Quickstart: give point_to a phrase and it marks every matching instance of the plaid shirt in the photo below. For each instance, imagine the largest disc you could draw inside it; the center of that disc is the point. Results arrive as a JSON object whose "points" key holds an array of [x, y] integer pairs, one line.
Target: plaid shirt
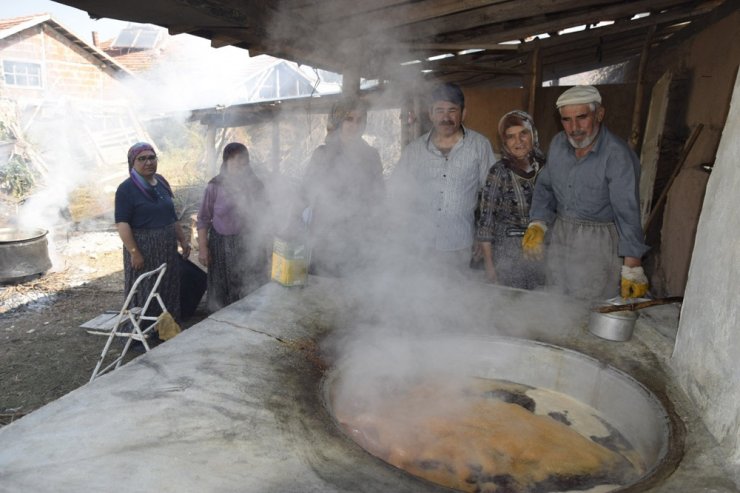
{"points": [[444, 189]]}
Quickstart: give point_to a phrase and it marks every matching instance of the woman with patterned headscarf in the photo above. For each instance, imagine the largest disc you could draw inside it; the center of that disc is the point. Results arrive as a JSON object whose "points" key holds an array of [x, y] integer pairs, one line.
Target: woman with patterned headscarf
{"points": [[343, 189], [505, 201], [148, 226]]}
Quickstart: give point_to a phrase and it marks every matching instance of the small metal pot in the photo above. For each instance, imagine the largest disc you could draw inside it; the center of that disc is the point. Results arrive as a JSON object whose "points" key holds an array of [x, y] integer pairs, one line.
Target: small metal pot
{"points": [[616, 322], [613, 326]]}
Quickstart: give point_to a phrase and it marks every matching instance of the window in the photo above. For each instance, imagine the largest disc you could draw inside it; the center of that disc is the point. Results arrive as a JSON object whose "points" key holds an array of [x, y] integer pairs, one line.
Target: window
{"points": [[284, 83], [22, 74]]}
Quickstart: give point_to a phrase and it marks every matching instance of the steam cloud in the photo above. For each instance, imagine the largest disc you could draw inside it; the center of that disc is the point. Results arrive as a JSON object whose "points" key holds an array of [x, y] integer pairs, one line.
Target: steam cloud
{"points": [[400, 291]]}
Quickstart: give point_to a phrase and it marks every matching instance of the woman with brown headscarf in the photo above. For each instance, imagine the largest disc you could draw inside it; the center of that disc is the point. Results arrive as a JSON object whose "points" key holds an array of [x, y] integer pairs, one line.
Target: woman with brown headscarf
{"points": [[149, 229], [505, 202]]}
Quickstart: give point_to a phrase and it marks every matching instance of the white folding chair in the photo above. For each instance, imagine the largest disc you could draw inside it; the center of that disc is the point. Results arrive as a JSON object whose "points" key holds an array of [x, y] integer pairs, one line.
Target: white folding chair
{"points": [[133, 316]]}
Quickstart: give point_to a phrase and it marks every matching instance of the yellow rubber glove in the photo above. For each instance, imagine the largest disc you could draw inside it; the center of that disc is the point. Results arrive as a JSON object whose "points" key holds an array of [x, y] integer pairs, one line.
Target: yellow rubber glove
{"points": [[533, 241], [634, 282]]}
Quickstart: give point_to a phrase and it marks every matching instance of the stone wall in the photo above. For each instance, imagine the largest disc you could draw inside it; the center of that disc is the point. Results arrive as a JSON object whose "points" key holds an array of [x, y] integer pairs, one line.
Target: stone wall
{"points": [[708, 345]]}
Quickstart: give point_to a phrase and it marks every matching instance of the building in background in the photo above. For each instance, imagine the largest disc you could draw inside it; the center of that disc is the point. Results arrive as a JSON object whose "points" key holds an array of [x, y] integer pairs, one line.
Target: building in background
{"points": [[65, 109]]}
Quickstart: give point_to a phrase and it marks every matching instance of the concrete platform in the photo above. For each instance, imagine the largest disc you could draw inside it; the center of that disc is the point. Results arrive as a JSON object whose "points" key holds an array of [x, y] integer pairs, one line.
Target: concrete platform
{"points": [[234, 404]]}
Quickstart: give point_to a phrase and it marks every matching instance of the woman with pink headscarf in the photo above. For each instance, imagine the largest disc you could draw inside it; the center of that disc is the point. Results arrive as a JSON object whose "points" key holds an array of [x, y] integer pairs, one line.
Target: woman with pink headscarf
{"points": [[149, 229], [505, 202]]}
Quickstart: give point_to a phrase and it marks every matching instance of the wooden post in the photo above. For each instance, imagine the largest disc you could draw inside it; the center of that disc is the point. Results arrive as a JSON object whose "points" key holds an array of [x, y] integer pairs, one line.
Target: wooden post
{"points": [[407, 112], [640, 89], [276, 144], [351, 80], [650, 151], [664, 194], [211, 149], [411, 115], [419, 111], [535, 80]]}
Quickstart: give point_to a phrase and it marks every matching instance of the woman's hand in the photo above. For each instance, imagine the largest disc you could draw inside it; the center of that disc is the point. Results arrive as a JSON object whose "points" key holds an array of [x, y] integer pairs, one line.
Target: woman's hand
{"points": [[487, 253], [203, 256], [137, 260], [490, 271], [183, 240], [129, 243], [186, 247]]}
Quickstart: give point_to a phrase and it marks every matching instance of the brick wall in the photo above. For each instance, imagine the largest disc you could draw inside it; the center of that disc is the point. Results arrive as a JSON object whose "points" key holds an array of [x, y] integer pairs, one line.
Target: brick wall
{"points": [[68, 72]]}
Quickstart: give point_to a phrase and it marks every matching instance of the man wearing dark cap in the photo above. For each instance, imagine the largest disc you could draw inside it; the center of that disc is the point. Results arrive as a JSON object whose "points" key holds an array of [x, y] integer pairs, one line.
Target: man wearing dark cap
{"points": [[440, 174], [588, 194]]}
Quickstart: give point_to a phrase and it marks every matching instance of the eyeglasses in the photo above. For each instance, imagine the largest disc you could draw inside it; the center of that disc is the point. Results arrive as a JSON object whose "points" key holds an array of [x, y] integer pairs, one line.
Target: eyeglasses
{"points": [[142, 159]]}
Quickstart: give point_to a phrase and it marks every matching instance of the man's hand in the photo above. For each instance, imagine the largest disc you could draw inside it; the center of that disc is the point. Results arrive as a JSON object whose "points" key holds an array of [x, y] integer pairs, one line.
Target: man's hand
{"points": [[533, 241], [634, 283]]}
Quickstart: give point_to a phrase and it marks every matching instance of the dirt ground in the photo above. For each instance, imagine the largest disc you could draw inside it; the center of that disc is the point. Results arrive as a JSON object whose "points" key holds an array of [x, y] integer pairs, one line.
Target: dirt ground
{"points": [[44, 353]]}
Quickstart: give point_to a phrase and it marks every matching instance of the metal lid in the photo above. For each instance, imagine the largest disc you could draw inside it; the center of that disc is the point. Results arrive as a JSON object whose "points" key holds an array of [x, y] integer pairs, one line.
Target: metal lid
{"points": [[13, 235]]}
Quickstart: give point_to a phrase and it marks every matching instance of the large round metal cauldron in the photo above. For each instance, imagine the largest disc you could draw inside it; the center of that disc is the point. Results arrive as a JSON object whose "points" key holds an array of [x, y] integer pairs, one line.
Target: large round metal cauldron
{"points": [[24, 253], [525, 375]]}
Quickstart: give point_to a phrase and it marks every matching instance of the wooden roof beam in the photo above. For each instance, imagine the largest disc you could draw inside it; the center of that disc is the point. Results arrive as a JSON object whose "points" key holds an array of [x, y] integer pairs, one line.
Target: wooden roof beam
{"points": [[403, 14], [670, 16], [533, 25], [518, 12]]}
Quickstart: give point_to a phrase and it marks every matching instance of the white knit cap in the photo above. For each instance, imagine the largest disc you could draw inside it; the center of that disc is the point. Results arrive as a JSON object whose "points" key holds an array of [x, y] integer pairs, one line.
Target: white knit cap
{"points": [[579, 95]]}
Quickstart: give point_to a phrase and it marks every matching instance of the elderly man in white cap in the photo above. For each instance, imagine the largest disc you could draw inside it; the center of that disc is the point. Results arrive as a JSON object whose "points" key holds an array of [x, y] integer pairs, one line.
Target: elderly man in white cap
{"points": [[588, 196]]}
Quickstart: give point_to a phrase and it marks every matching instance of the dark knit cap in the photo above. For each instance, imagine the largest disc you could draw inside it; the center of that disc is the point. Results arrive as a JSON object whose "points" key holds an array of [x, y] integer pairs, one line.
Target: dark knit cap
{"points": [[448, 92]]}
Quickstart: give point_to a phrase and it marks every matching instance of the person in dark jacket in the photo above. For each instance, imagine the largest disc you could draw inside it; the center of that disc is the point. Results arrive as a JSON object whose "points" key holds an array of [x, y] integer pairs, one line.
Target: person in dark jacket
{"points": [[342, 192]]}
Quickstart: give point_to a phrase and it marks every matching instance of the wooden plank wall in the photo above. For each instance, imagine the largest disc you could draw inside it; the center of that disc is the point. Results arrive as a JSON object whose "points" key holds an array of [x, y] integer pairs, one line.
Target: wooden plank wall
{"points": [[486, 105]]}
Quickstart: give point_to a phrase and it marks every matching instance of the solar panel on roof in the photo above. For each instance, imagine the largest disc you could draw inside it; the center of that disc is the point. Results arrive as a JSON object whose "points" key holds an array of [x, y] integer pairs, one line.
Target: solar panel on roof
{"points": [[124, 39], [141, 38], [146, 40]]}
